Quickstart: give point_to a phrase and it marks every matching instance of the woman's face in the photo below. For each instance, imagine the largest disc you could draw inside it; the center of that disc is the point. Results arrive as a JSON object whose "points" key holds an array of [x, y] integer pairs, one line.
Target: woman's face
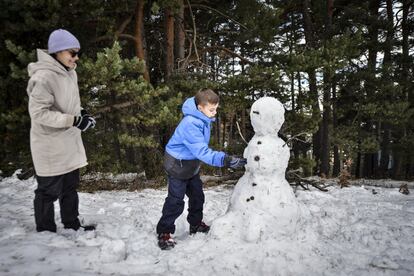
{"points": [[68, 57]]}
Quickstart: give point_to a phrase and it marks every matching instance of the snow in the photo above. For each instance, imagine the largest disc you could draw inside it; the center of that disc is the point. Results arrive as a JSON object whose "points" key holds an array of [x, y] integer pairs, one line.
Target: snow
{"points": [[267, 116], [259, 227], [348, 231]]}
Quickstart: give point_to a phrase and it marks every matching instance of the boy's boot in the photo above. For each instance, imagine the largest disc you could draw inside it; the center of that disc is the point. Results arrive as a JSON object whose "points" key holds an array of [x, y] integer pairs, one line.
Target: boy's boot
{"points": [[165, 241], [201, 227]]}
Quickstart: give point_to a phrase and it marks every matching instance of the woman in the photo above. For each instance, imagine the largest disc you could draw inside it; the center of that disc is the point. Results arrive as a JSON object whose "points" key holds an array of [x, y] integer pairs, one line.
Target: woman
{"points": [[55, 135]]}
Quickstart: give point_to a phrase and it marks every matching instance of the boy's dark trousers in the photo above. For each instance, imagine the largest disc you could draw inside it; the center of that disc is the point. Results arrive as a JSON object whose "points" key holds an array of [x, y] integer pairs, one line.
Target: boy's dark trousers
{"points": [[174, 203], [51, 188]]}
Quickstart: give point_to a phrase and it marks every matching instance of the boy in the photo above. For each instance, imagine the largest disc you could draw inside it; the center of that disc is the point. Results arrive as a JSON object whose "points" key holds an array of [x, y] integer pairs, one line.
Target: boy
{"points": [[184, 151]]}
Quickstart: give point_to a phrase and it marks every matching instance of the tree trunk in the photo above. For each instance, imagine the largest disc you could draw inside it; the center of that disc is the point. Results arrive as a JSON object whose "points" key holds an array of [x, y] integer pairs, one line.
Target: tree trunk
{"points": [[313, 90], [326, 118], [224, 132], [370, 81], [216, 129], [180, 36], [292, 91], [386, 129], [327, 79], [405, 51], [407, 83], [140, 37], [299, 99], [397, 169], [368, 164], [169, 43], [385, 151], [358, 165], [231, 129], [337, 157], [243, 122]]}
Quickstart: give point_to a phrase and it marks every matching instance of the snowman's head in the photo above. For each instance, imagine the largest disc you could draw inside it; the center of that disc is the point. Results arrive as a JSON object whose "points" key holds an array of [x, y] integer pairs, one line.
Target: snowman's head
{"points": [[267, 116]]}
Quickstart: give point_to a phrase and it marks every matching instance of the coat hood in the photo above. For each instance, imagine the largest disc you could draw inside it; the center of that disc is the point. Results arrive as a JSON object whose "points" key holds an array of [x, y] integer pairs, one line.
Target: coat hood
{"points": [[46, 62], [190, 108]]}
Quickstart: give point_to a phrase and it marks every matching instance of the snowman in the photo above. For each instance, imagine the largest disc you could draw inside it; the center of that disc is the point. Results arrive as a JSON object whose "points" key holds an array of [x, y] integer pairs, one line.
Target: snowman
{"points": [[263, 204]]}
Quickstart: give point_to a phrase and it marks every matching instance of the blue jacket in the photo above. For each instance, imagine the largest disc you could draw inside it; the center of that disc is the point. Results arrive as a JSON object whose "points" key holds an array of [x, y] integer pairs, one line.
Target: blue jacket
{"points": [[191, 137]]}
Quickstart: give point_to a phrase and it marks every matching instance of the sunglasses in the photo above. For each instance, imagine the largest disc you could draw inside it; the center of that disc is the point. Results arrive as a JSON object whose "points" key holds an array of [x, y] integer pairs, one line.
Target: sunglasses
{"points": [[74, 53]]}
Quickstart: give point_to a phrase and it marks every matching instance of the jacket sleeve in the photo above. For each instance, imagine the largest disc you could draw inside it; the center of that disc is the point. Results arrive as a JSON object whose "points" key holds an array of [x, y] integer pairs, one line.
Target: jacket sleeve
{"points": [[194, 141], [41, 101]]}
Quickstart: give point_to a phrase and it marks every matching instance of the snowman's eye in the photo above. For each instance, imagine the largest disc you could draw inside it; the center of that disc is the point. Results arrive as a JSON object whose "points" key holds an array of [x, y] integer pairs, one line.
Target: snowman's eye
{"points": [[256, 112]]}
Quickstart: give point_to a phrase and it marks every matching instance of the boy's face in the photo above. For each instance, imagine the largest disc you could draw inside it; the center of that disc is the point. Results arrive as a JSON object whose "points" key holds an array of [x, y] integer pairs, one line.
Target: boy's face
{"points": [[208, 109]]}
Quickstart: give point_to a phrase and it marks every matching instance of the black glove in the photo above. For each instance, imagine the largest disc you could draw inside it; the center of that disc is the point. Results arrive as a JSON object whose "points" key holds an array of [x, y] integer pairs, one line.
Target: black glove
{"points": [[234, 162], [84, 122], [84, 112]]}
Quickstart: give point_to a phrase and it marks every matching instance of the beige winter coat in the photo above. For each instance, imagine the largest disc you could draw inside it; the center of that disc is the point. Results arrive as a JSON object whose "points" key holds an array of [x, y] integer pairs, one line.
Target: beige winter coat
{"points": [[53, 91]]}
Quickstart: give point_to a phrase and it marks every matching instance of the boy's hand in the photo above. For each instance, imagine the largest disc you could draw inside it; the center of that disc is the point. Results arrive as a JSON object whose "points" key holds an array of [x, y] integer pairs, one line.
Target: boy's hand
{"points": [[234, 162]]}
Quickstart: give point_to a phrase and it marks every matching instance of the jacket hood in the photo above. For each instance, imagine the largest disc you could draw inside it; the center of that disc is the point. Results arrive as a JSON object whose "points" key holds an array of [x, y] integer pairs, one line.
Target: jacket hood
{"points": [[190, 108], [46, 62]]}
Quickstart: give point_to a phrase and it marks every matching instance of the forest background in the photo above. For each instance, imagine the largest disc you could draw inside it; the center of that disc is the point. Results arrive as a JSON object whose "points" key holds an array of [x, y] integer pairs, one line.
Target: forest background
{"points": [[344, 71]]}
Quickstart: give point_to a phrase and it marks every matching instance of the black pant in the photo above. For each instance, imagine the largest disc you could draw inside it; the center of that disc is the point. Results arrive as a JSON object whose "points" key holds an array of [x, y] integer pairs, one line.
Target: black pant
{"points": [[174, 203], [51, 188]]}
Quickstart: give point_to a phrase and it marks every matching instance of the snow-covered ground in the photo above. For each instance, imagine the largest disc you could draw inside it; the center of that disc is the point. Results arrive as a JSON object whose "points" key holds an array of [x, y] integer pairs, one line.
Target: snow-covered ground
{"points": [[350, 231]]}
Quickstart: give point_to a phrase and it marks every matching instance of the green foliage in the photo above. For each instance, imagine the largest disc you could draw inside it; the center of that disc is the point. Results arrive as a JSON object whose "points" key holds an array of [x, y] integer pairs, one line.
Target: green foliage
{"points": [[130, 112], [19, 71], [300, 122], [369, 144], [304, 163], [14, 119], [346, 138]]}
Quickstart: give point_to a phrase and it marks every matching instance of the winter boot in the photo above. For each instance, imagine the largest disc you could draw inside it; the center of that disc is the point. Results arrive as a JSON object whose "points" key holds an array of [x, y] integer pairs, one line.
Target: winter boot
{"points": [[84, 227], [201, 227], [165, 241], [88, 227]]}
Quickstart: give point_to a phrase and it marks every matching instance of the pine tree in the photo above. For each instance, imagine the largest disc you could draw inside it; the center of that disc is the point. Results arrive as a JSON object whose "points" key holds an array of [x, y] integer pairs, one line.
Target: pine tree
{"points": [[130, 113]]}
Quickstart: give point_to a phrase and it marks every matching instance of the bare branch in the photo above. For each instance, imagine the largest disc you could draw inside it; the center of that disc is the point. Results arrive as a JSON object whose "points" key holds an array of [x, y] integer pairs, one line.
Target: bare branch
{"points": [[222, 14], [118, 33], [241, 135], [123, 25], [195, 30], [228, 51], [127, 36], [297, 139]]}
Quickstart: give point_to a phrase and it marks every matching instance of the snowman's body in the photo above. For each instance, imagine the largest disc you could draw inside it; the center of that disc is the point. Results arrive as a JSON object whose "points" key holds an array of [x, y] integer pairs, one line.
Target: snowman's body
{"points": [[263, 204]]}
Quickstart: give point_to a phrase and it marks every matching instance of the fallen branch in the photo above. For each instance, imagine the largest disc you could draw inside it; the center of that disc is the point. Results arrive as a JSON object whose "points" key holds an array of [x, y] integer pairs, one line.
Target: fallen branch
{"points": [[219, 179], [294, 177]]}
